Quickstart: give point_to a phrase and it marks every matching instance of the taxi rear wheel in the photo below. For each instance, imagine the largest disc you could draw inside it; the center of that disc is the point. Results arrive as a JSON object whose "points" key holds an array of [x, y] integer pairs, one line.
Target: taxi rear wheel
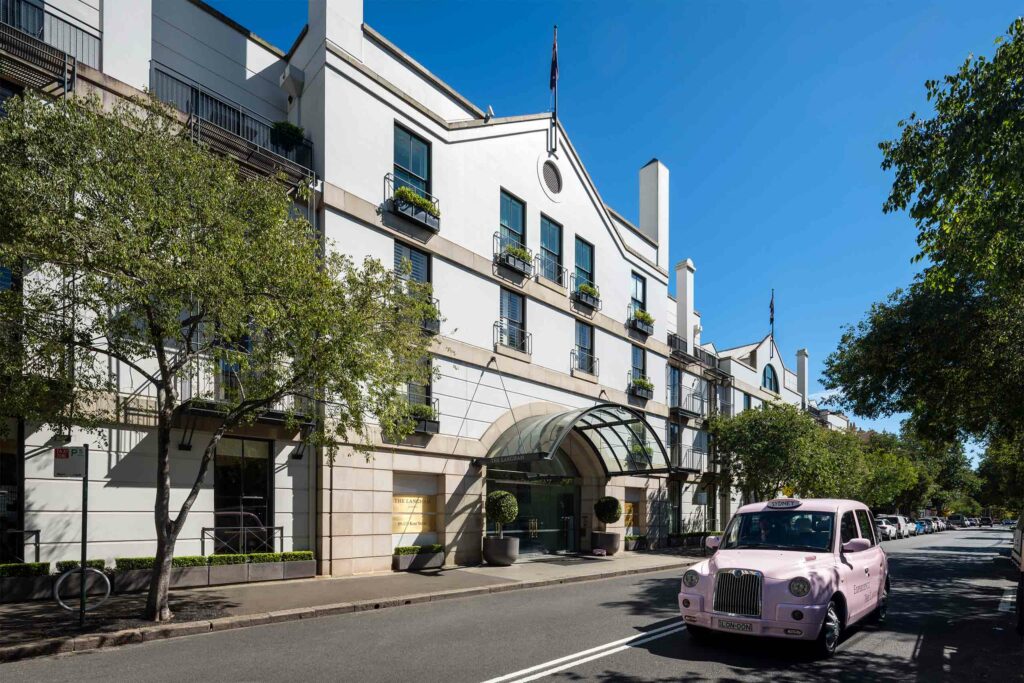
{"points": [[831, 631]]}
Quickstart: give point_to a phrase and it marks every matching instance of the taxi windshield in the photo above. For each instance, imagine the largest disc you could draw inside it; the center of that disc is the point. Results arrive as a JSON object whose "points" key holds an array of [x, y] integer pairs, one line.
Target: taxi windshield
{"points": [[780, 530]]}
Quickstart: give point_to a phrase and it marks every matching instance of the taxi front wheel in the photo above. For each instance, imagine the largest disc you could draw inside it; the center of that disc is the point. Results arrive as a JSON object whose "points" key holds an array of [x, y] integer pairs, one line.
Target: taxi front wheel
{"points": [[831, 630]]}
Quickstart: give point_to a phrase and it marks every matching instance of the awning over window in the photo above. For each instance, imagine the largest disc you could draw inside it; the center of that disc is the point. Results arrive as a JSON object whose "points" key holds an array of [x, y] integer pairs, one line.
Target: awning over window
{"points": [[622, 439]]}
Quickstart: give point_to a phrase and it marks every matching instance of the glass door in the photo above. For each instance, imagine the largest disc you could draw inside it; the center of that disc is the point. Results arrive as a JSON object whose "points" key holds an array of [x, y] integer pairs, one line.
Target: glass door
{"points": [[12, 541], [243, 496], [547, 516]]}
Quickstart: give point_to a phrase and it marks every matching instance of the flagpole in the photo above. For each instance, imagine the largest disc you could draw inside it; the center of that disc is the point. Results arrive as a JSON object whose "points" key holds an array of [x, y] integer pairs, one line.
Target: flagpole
{"points": [[554, 88], [556, 78], [771, 352]]}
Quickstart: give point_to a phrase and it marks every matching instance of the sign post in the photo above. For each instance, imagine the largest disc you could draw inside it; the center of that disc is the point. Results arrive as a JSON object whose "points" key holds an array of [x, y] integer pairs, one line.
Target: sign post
{"points": [[73, 461]]}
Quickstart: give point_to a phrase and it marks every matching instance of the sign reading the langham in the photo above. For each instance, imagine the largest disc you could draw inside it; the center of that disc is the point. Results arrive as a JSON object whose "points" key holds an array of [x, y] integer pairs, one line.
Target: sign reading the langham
{"points": [[629, 513], [412, 513]]}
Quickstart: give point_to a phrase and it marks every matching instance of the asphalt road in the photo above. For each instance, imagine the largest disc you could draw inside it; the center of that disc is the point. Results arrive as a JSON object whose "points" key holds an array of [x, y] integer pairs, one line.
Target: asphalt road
{"points": [[949, 620]]}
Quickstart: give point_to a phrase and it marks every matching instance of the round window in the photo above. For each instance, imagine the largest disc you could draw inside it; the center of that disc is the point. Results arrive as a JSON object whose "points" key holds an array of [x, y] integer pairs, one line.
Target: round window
{"points": [[552, 178]]}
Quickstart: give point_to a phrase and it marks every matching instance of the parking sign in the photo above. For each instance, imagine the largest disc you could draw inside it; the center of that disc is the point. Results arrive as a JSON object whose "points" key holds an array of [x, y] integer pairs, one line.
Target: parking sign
{"points": [[69, 461]]}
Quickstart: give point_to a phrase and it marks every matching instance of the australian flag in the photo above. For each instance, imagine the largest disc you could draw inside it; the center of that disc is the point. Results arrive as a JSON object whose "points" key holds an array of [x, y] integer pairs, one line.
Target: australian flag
{"points": [[554, 62]]}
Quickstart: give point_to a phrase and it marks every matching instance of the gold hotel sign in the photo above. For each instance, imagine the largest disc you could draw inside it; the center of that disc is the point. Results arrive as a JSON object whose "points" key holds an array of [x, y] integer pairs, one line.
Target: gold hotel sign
{"points": [[412, 513]]}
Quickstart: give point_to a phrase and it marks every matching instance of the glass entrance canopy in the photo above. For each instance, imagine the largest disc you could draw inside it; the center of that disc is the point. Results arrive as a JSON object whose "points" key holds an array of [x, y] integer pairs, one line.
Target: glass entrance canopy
{"points": [[622, 439]]}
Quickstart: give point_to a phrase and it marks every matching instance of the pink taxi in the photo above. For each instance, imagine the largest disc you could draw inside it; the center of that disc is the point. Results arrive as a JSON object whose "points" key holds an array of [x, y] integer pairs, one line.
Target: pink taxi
{"points": [[789, 568]]}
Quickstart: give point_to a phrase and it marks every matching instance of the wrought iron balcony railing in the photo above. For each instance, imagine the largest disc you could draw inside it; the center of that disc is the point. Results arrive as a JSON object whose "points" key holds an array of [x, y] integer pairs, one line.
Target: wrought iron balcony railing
{"points": [[639, 385], [686, 403], [585, 292], [425, 410], [639, 319], [689, 458], [584, 360], [409, 201], [512, 335], [551, 270], [512, 254], [31, 54]]}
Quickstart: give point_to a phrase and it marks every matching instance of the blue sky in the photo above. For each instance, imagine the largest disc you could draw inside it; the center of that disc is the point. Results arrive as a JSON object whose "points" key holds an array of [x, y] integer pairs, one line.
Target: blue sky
{"points": [[767, 114]]}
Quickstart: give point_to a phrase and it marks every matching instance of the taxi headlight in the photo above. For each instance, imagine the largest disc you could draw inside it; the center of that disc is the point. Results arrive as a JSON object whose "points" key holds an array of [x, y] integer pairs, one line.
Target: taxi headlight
{"points": [[799, 587], [690, 578]]}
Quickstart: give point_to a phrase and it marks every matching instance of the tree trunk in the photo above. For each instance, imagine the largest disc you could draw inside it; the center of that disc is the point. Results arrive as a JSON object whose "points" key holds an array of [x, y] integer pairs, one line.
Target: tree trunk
{"points": [[157, 608]]}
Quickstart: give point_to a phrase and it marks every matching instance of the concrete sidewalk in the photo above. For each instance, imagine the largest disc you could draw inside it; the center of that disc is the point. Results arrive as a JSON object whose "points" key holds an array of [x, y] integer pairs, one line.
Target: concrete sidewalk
{"points": [[39, 628]]}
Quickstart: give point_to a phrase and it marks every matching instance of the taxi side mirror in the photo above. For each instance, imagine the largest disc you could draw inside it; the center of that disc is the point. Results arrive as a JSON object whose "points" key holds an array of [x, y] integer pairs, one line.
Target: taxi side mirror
{"points": [[856, 545], [713, 542]]}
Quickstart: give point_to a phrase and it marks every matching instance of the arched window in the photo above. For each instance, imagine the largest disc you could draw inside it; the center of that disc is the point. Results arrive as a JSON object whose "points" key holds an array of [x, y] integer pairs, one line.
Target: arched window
{"points": [[769, 380]]}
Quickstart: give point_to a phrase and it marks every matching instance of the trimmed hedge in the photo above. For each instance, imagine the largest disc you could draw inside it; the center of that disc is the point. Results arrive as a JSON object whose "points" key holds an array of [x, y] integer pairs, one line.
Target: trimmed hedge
{"points": [[502, 507], [432, 548], [21, 569], [227, 558], [65, 565], [407, 550], [189, 561], [127, 564], [264, 558], [297, 556]]}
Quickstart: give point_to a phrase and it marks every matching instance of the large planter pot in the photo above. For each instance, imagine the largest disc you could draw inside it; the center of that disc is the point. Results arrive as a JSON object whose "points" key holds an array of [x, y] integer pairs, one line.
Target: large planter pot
{"points": [[94, 585], [20, 588], [266, 571], [604, 540], [300, 569], [221, 574], [190, 577], [132, 580], [500, 552], [405, 563]]}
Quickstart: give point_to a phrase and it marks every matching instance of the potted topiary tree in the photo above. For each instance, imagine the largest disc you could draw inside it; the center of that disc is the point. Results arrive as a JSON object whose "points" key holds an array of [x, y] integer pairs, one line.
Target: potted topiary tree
{"points": [[502, 508], [608, 510]]}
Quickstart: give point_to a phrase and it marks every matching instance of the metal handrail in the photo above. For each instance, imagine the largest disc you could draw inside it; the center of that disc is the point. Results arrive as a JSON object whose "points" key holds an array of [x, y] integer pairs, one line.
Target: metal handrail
{"points": [[705, 357], [392, 183], [688, 458], [551, 270], [211, 532], [578, 281], [512, 335], [27, 532], [423, 399], [685, 398], [585, 361], [38, 22], [677, 344]]}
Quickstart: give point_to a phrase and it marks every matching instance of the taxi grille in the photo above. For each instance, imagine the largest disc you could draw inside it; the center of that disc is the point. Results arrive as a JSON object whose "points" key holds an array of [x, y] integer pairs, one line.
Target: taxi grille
{"points": [[738, 591]]}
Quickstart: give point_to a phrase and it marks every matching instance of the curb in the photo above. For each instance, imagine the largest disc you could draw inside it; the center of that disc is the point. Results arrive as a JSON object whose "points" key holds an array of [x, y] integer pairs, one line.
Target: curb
{"points": [[96, 641]]}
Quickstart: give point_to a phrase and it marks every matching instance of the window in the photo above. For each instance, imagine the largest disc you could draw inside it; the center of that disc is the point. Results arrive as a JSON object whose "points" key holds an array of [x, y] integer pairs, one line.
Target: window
{"points": [[781, 530], [584, 263], [7, 91], [638, 298], [243, 504], [769, 380], [700, 441], [6, 279], [585, 347], [513, 221], [513, 320], [412, 161], [420, 393], [639, 362], [867, 529], [847, 528], [551, 250], [420, 262], [675, 386], [746, 401]]}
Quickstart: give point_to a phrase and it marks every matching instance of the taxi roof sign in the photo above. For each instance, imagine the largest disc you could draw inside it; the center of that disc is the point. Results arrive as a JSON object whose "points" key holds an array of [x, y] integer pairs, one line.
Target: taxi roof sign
{"points": [[783, 503]]}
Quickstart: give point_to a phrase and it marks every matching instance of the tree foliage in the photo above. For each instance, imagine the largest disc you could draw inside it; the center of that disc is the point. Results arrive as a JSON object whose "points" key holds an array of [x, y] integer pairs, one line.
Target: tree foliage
{"points": [[147, 264]]}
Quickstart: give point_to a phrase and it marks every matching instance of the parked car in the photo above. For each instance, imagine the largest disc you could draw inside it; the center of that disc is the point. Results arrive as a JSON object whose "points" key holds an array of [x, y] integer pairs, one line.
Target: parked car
{"points": [[797, 569], [956, 521], [920, 526], [985, 521], [1009, 522], [886, 531], [904, 529], [1017, 551], [929, 527]]}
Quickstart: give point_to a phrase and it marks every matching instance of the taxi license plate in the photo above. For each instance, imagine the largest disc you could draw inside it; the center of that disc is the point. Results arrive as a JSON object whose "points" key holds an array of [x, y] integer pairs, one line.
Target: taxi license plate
{"points": [[741, 626]]}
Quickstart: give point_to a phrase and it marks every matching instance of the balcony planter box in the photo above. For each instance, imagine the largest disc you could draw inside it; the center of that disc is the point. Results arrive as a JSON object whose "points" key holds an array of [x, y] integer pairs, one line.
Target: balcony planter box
{"points": [[431, 326], [21, 588], [406, 563], [266, 571], [641, 392], [641, 327], [300, 569], [588, 300], [221, 574], [416, 214], [190, 577], [427, 426], [604, 540], [514, 263]]}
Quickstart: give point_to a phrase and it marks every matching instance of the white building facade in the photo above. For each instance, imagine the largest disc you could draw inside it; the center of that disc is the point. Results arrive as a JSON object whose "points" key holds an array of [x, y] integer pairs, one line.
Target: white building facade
{"points": [[564, 370]]}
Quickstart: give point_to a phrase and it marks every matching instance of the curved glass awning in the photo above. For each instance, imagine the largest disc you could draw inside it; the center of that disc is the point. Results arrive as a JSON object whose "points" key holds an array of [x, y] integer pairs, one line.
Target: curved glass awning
{"points": [[622, 439]]}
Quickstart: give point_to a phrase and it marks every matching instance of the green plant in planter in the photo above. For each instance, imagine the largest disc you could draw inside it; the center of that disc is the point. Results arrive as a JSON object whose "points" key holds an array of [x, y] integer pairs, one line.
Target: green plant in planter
{"points": [[643, 383], [408, 195], [228, 558], [21, 569], [65, 565], [517, 251], [421, 411], [286, 135], [643, 316], [502, 508], [431, 549], [589, 290], [263, 558], [608, 509], [297, 555], [407, 550]]}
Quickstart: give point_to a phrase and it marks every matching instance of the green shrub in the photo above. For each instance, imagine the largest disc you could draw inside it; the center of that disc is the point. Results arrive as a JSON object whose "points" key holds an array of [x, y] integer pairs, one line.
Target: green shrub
{"points": [[65, 565], [643, 316], [589, 290], [20, 569], [263, 558], [228, 558], [297, 556], [516, 251], [189, 561], [407, 195], [608, 509], [407, 550], [643, 383], [421, 411], [502, 508], [432, 548], [286, 135], [125, 564]]}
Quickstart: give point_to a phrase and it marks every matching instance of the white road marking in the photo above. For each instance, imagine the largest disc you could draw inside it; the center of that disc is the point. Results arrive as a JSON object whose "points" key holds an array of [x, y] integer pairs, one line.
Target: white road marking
{"points": [[602, 651], [1009, 597]]}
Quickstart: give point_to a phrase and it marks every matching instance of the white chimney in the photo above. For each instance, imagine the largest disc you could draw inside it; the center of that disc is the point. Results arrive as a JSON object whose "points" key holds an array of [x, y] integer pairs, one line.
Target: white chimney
{"points": [[686, 319], [339, 21], [654, 207], [801, 376]]}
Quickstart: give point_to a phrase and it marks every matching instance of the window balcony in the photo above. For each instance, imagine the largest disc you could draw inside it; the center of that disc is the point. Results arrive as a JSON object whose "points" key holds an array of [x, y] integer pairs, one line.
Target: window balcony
{"points": [[685, 404], [412, 203], [585, 292], [548, 268], [29, 54], [689, 458], [425, 412], [512, 335], [510, 253], [639, 385], [640, 320], [582, 360]]}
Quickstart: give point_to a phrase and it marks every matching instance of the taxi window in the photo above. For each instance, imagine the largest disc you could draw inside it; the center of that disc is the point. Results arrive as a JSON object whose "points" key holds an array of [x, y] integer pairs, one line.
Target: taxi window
{"points": [[848, 528], [867, 529]]}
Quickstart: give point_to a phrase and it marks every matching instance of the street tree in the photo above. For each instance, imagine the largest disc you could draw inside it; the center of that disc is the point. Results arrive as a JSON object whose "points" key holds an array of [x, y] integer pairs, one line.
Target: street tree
{"points": [[136, 247]]}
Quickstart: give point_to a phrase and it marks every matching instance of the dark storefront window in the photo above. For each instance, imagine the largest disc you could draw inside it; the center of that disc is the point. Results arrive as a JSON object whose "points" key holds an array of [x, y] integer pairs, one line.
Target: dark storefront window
{"points": [[243, 500]]}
